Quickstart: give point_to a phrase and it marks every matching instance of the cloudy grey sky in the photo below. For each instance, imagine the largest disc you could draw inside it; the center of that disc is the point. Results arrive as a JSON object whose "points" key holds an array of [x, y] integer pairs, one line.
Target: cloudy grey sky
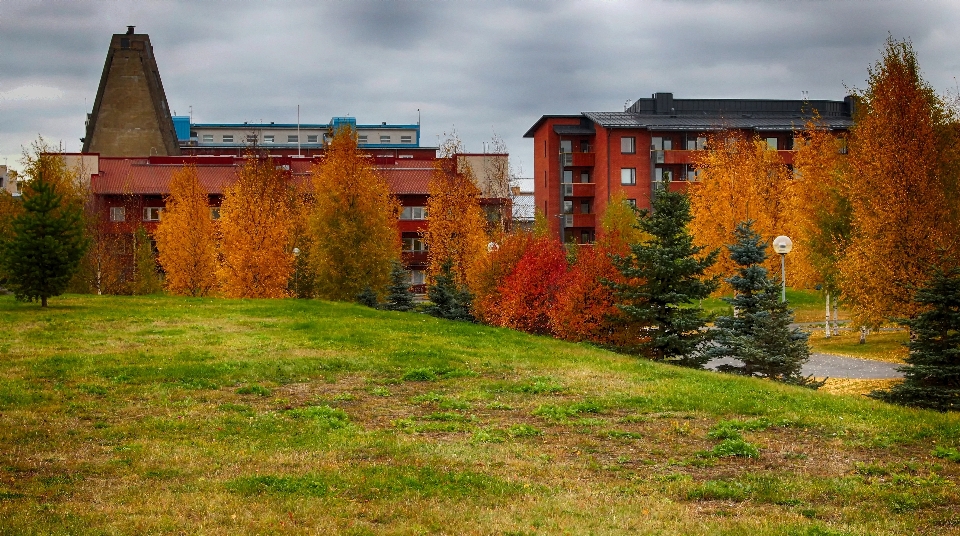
{"points": [[479, 67]]}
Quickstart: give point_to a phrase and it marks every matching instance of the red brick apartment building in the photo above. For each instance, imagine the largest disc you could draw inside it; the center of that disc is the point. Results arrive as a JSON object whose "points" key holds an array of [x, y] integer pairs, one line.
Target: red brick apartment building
{"points": [[581, 160]]}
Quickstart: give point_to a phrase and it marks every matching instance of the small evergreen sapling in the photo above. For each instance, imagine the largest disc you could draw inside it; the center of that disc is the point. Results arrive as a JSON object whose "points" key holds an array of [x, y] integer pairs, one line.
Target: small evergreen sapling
{"points": [[932, 374], [399, 297], [46, 244], [368, 297], [448, 300], [664, 276], [759, 335]]}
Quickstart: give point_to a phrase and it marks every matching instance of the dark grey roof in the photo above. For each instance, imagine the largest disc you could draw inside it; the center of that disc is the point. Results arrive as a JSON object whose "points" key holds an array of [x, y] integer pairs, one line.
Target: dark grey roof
{"points": [[709, 122]]}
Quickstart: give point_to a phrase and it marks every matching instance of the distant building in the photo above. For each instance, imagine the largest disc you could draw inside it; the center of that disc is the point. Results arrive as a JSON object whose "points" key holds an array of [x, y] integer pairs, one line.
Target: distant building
{"points": [[130, 115], [581, 160]]}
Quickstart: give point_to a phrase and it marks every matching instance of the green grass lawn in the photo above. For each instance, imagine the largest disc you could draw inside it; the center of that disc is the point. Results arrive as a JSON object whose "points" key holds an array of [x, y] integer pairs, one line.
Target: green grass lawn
{"points": [[168, 415], [807, 305]]}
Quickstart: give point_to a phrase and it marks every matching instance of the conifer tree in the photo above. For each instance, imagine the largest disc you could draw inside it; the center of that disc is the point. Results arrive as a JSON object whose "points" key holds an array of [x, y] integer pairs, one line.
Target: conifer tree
{"points": [[448, 299], [399, 297], [932, 374], [368, 297], [759, 335], [663, 276], [46, 245]]}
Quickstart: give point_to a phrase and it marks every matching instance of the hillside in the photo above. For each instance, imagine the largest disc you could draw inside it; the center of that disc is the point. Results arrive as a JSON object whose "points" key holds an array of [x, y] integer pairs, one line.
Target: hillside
{"points": [[163, 414]]}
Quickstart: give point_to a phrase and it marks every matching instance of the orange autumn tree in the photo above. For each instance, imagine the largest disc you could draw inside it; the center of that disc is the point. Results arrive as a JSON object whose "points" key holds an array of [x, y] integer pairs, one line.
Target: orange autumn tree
{"points": [[354, 223], [818, 210], [186, 237], [457, 225], [255, 223], [488, 272], [530, 290], [585, 307], [903, 187], [740, 179]]}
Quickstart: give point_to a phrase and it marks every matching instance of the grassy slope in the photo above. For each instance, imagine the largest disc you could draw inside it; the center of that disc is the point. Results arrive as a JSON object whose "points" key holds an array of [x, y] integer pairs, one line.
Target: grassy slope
{"points": [[165, 415]]}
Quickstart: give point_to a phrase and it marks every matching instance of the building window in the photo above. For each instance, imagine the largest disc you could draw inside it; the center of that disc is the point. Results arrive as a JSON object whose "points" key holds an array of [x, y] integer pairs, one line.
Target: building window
{"points": [[584, 177], [659, 143], [632, 202], [662, 175], [228, 138], [697, 144], [312, 138], [208, 138], [362, 138], [414, 213], [414, 245], [584, 207], [567, 176], [384, 138], [585, 237], [293, 139], [152, 213], [568, 207], [772, 144], [406, 139], [417, 277], [269, 138], [628, 145], [214, 213], [118, 214], [628, 176]]}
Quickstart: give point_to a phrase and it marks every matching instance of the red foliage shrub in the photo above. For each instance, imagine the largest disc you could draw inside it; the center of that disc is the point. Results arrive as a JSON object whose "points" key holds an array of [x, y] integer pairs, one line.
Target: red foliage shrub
{"points": [[529, 291]]}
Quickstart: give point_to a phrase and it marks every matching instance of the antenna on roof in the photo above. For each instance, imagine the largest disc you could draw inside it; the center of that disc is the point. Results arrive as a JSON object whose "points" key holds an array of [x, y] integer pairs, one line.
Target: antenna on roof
{"points": [[804, 95]]}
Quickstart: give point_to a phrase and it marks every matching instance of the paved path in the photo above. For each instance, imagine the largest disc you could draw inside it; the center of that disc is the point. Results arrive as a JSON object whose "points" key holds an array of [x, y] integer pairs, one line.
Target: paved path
{"points": [[835, 366]]}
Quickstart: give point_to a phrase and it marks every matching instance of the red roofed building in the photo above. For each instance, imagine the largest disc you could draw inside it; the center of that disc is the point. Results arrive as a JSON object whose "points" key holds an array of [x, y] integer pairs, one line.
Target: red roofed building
{"points": [[128, 192]]}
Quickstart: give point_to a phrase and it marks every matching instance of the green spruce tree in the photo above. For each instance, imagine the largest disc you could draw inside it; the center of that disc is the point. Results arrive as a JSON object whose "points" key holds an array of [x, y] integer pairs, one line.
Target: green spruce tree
{"points": [[448, 300], [665, 276], [46, 245], [932, 374], [368, 297], [759, 335], [399, 297]]}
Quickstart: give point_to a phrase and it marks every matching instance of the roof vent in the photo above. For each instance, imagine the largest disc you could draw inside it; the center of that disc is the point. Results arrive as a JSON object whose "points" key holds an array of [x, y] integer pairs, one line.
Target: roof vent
{"points": [[130, 30]]}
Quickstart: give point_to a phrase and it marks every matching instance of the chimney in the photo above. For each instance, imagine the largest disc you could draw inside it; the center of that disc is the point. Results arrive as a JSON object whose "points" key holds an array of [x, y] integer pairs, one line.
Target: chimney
{"points": [[130, 30]]}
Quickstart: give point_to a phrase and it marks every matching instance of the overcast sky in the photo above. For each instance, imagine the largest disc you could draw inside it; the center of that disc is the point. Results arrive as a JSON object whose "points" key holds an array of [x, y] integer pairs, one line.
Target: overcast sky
{"points": [[479, 67]]}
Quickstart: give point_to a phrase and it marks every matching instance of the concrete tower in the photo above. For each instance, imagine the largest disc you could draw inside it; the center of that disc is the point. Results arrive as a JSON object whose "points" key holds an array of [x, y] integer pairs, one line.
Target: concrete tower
{"points": [[130, 116]]}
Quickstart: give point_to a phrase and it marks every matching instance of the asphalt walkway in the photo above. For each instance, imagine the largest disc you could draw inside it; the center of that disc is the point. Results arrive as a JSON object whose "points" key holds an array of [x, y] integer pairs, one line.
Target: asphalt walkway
{"points": [[835, 366]]}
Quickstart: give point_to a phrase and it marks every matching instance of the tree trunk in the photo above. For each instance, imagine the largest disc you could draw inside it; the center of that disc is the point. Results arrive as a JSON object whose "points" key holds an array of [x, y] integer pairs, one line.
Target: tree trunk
{"points": [[43, 301], [826, 324], [863, 335]]}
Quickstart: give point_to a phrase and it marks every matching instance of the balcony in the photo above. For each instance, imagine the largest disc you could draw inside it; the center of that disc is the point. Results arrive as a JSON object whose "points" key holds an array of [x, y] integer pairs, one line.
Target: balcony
{"points": [[687, 157], [579, 189], [577, 159], [579, 220]]}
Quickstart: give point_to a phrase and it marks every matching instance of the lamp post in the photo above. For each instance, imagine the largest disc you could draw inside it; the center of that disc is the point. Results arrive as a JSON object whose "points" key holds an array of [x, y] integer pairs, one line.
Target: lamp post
{"points": [[296, 272], [783, 245]]}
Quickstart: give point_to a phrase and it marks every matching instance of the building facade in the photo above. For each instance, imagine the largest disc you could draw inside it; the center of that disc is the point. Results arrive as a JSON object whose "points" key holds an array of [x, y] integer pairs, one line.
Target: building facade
{"points": [[582, 160]]}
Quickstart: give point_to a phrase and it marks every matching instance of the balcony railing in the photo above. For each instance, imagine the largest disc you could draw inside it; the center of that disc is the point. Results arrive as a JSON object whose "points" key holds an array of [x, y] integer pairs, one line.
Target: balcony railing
{"points": [[579, 189], [579, 220], [577, 159]]}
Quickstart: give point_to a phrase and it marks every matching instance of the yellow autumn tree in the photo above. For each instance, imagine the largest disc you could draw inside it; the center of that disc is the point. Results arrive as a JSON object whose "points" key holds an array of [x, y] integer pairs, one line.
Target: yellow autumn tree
{"points": [[739, 179], [354, 223], [818, 210], [457, 226], [186, 237], [903, 186], [256, 259]]}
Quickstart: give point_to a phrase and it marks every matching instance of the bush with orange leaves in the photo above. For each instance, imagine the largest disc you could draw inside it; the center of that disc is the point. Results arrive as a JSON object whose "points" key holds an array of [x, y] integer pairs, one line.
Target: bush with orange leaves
{"points": [[530, 290], [487, 274]]}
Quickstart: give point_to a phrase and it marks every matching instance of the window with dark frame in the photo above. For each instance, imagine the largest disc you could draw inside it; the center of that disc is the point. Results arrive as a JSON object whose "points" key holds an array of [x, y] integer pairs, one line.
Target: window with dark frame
{"points": [[628, 145], [628, 176]]}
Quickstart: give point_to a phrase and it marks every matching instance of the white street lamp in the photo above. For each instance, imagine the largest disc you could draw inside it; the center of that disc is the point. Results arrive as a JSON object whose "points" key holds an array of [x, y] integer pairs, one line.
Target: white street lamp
{"points": [[783, 245]]}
